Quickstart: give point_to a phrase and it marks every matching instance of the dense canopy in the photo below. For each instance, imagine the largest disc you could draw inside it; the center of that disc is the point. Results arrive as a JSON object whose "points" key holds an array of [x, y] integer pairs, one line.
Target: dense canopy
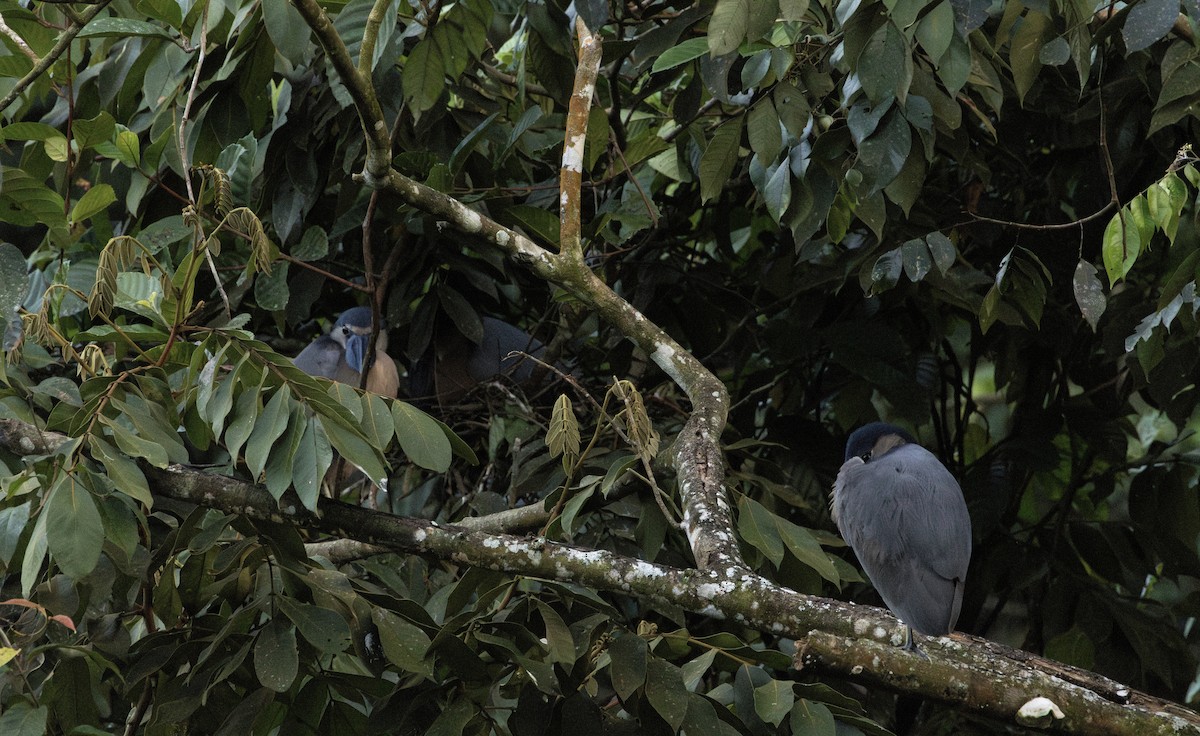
{"points": [[738, 229]]}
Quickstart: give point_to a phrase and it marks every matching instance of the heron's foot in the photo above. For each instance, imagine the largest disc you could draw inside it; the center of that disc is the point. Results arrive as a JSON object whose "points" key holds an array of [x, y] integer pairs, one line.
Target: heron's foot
{"points": [[910, 644]]}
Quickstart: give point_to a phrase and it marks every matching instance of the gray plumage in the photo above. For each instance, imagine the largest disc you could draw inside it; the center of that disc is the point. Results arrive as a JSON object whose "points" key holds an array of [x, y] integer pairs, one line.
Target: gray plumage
{"points": [[904, 516], [339, 356], [453, 366]]}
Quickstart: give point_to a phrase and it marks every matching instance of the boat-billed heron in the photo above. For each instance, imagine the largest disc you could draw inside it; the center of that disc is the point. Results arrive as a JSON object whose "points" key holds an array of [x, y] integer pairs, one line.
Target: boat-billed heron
{"points": [[340, 354], [454, 365], [904, 516]]}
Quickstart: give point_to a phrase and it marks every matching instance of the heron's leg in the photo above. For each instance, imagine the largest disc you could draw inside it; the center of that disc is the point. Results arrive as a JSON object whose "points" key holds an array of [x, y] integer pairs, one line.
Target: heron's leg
{"points": [[910, 643]]}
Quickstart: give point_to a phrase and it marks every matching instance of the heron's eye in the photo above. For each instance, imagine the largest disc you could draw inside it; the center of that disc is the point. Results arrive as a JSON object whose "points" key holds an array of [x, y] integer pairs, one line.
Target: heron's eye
{"points": [[866, 456]]}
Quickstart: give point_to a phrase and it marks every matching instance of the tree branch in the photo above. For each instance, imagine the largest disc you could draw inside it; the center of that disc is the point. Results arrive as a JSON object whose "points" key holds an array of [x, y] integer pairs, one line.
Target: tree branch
{"points": [[859, 643], [60, 48]]}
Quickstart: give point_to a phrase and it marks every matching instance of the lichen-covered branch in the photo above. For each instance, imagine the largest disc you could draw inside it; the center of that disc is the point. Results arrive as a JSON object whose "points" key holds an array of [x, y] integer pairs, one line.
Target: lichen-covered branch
{"points": [[859, 643], [571, 172]]}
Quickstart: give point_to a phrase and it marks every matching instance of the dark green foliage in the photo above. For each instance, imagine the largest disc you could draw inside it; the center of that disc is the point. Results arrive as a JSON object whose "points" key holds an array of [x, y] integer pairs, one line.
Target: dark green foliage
{"points": [[820, 200]]}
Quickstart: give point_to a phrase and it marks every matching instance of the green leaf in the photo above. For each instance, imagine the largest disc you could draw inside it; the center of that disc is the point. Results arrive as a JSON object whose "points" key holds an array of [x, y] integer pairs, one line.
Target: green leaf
{"points": [[89, 133], [124, 473], [1148, 21], [773, 701], [777, 194], [562, 438], [281, 465], [128, 148], [881, 157], [720, 156], [22, 719], [313, 245], [812, 719], [1121, 245], [1089, 293], [693, 48], [75, 531], [886, 271], [559, 642], [916, 258], [943, 251], [135, 446], [28, 131], [423, 76], [269, 428], [628, 653], [405, 644], [537, 221], [1165, 199], [728, 26], [763, 130], [453, 719], [422, 440], [1072, 647], [276, 658], [313, 457], [14, 282], [1032, 32], [288, 31], [57, 148], [805, 548], [792, 10], [936, 30], [665, 691], [271, 289], [93, 202], [35, 554], [885, 65], [757, 527], [245, 415], [121, 28], [321, 627], [355, 448]]}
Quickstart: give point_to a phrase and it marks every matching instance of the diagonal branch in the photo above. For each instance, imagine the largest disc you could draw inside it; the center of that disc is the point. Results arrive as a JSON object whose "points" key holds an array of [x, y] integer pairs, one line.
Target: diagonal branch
{"points": [[370, 113], [60, 48], [697, 454]]}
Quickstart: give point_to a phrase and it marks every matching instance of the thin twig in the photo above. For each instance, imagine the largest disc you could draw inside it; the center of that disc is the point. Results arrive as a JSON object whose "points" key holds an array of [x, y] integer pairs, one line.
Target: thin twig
{"points": [[60, 48], [16, 39]]}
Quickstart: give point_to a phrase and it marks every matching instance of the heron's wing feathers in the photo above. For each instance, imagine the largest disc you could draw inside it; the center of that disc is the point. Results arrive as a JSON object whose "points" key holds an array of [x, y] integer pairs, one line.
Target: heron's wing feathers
{"points": [[904, 516], [320, 358]]}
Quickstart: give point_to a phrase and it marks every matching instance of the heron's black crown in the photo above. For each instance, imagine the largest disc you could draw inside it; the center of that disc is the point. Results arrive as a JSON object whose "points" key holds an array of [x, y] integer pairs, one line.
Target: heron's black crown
{"points": [[863, 439]]}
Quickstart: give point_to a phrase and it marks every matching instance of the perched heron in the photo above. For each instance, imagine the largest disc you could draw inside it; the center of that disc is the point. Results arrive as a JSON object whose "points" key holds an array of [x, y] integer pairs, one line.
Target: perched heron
{"points": [[904, 516], [340, 354], [454, 365]]}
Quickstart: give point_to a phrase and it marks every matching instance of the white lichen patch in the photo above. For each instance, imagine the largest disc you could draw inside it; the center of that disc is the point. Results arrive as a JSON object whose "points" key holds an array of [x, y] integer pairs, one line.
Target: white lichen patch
{"points": [[502, 238], [861, 626], [709, 591], [643, 569], [572, 157], [419, 536], [491, 543], [663, 355], [1039, 711], [856, 669], [470, 222]]}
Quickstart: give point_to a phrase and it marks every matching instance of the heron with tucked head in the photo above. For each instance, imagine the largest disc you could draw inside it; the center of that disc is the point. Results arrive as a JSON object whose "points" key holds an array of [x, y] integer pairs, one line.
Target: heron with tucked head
{"points": [[904, 516]]}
